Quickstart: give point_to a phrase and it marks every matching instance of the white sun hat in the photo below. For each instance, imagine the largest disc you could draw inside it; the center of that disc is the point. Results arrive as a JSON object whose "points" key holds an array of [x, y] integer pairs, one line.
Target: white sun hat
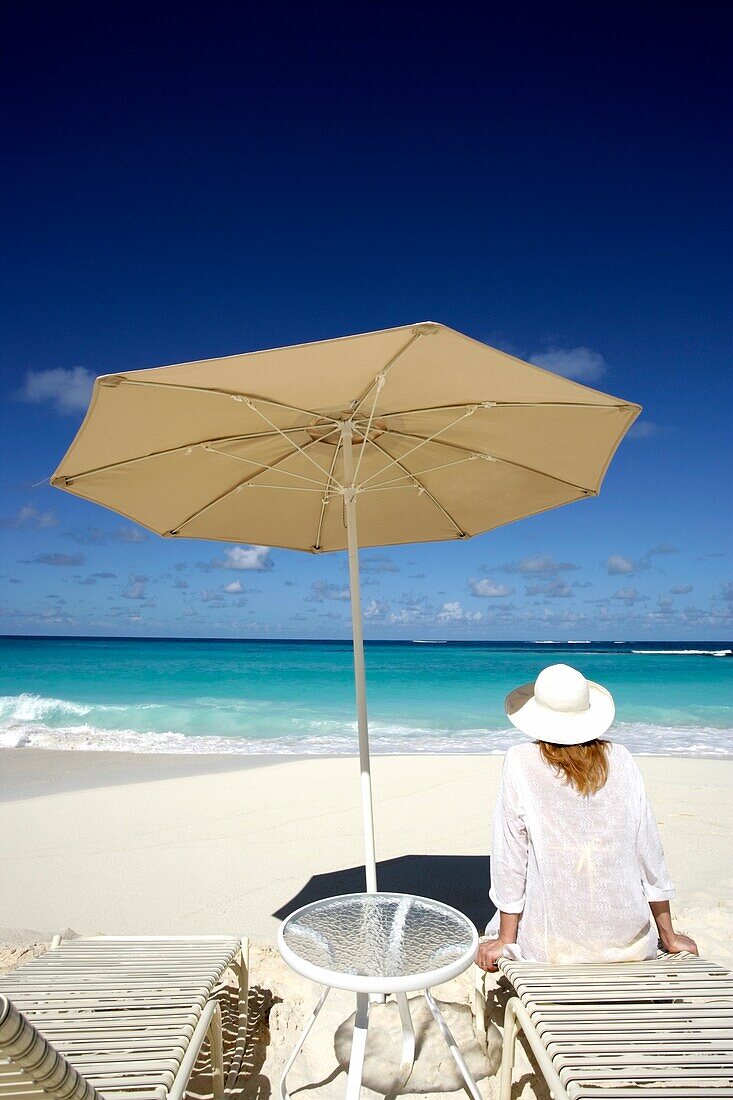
{"points": [[561, 707]]}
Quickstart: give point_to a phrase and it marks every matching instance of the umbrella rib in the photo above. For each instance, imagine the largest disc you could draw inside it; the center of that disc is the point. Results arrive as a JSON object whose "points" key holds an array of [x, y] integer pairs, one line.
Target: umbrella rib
{"points": [[495, 457], [423, 489], [240, 485], [302, 450], [326, 495], [394, 483], [117, 379], [507, 405], [468, 410], [280, 488], [377, 391], [270, 466], [174, 450], [382, 374]]}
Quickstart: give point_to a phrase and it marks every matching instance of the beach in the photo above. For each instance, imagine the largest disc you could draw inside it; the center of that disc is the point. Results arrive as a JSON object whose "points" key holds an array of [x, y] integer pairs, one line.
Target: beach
{"points": [[100, 842], [116, 842]]}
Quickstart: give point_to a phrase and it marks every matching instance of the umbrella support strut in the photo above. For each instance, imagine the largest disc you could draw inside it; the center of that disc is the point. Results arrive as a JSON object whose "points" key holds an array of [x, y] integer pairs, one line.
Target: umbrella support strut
{"points": [[370, 859]]}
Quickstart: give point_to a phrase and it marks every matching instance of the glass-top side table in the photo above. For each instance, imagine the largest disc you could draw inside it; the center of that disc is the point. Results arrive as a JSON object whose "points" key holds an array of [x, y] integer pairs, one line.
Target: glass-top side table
{"points": [[379, 944]]}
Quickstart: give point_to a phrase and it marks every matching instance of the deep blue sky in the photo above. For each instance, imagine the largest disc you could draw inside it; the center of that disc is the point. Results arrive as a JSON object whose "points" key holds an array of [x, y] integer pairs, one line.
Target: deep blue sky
{"points": [[191, 180]]}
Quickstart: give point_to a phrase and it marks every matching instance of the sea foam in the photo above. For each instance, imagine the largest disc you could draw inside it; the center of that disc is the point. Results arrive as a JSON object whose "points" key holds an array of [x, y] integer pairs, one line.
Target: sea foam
{"points": [[33, 721]]}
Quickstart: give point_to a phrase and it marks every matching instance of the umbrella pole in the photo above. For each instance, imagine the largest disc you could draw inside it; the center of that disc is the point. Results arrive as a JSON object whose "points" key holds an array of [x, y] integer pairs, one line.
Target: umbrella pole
{"points": [[370, 859]]}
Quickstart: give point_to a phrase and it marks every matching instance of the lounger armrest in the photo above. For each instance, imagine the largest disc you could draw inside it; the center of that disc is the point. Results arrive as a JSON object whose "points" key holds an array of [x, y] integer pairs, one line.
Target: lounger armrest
{"points": [[209, 1021]]}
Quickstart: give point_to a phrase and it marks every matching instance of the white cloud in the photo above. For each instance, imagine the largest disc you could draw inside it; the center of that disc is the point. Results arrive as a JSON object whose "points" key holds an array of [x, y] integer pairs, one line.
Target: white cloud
{"points": [[58, 559], [136, 587], [643, 429], [67, 390], [212, 598], [326, 590], [401, 618], [128, 534], [541, 564], [89, 536], [487, 587], [258, 558], [30, 517], [415, 610], [616, 564], [378, 563], [452, 612], [234, 588], [627, 595], [376, 609], [581, 364], [555, 588], [681, 590]]}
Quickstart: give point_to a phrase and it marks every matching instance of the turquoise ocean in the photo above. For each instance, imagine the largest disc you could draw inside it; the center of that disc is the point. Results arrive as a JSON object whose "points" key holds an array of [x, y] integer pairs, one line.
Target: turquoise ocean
{"points": [[298, 697]]}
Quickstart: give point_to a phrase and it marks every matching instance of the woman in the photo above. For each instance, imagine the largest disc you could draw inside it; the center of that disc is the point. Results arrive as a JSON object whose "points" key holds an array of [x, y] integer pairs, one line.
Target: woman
{"points": [[577, 870]]}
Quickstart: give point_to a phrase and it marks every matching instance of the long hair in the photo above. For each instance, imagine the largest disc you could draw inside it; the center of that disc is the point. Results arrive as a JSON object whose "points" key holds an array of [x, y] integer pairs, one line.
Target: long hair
{"points": [[584, 767]]}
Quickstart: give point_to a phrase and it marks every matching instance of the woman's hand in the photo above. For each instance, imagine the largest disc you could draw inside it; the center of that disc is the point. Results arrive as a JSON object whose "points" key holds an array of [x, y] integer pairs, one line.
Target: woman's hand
{"points": [[671, 941], [489, 952], [675, 941]]}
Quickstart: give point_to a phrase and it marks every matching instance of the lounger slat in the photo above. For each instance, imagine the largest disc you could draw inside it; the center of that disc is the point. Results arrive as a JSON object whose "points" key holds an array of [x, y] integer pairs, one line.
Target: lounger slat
{"points": [[674, 1010], [114, 1038], [639, 991], [663, 1046], [122, 1011], [657, 1030], [629, 997], [630, 1028], [124, 974], [105, 1002], [111, 1024], [646, 1073], [648, 1093], [651, 1057]]}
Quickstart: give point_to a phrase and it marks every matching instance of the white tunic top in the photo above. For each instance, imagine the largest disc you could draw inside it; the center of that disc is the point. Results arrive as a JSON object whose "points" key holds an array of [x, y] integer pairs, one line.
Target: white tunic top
{"points": [[580, 869]]}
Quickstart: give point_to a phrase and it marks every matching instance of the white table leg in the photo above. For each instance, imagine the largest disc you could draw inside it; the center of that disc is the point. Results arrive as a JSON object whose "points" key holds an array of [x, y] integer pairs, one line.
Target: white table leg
{"points": [[284, 1094], [408, 1039], [457, 1056], [358, 1046]]}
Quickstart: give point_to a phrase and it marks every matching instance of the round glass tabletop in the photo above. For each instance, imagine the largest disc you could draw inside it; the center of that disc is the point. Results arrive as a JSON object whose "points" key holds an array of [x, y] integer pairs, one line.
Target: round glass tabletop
{"points": [[378, 943]]}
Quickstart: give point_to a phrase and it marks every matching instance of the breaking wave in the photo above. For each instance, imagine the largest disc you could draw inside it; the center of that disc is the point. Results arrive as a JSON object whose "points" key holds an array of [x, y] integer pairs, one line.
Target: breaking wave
{"points": [[34, 721], [686, 652]]}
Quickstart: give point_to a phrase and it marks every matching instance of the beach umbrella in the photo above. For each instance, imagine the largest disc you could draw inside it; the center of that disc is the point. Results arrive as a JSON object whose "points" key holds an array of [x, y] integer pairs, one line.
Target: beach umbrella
{"points": [[416, 434]]}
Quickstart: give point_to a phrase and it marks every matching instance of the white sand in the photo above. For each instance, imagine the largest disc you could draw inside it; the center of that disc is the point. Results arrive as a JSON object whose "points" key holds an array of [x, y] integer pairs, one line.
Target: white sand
{"points": [[109, 842]]}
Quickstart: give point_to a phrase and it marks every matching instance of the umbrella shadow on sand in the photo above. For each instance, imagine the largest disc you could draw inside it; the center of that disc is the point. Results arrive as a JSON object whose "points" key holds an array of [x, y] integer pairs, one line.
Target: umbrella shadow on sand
{"points": [[460, 881]]}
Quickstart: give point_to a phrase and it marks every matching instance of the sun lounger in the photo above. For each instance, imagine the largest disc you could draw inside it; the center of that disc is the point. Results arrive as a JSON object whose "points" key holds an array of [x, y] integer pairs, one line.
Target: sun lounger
{"points": [[662, 1028], [122, 1018]]}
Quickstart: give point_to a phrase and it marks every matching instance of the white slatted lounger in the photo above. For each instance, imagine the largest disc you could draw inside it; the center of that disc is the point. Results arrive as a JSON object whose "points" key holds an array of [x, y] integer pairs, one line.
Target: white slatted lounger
{"points": [[118, 1017], [651, 1030]]}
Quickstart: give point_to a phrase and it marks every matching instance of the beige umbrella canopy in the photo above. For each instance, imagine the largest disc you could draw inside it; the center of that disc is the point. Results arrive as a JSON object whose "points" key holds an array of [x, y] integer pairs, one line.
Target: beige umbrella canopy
{"points": [[422, 431], [460, 438]]}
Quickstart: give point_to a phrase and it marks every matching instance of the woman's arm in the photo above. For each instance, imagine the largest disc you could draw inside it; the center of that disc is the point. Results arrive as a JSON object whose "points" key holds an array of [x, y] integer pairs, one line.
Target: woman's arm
{"points": [[653, 872], [509, 856], [655, 879], [510, 846], [490, 951], [671, 941]]}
